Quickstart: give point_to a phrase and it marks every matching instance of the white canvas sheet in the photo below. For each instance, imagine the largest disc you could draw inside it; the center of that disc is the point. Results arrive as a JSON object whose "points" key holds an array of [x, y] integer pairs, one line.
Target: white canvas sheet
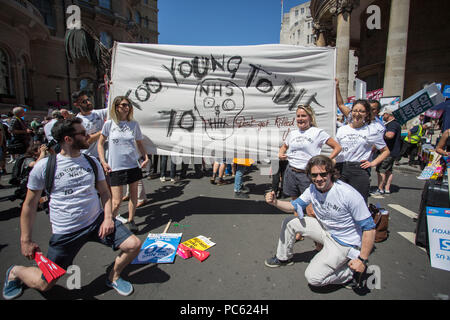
{"points": [[223, 101]]}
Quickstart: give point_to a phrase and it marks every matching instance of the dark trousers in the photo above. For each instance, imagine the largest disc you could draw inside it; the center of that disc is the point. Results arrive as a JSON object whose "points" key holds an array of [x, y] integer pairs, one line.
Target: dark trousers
{"points": [[354, 175], [278, 176], [410, 149]]}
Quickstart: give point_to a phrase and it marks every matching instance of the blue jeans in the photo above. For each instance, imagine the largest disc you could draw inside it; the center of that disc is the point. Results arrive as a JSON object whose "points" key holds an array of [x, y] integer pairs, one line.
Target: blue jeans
{"points": [[238, 178], [163, 167]]}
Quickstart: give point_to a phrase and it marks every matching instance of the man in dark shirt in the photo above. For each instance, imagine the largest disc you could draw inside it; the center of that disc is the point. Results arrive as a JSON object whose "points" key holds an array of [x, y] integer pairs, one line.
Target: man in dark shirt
{"points": [[20, 132], [392, 137]]}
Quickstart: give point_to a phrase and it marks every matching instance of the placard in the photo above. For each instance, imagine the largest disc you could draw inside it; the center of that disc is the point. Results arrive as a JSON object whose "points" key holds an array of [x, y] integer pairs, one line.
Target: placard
{"points": [[158, 248], [199, 242], [438, 220], [418, 103]]}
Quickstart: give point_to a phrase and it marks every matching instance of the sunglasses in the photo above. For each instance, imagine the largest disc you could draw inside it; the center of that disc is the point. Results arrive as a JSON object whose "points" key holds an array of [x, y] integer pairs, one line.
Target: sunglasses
{"points": [[125, 105], [322, 174], [83, 133], [85, 101]]}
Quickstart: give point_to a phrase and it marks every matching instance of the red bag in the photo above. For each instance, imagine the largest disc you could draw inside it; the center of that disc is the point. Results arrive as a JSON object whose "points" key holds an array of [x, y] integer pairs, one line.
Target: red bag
{"points": [[50, 269]]}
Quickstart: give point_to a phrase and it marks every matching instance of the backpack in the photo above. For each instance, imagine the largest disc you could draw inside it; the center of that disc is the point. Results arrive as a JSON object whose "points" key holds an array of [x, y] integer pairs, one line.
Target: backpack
{"points": [[50, 175], [381, 219]]}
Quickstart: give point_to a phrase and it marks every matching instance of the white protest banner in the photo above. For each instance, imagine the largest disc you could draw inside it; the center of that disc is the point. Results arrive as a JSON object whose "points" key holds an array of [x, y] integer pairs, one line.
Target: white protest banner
{"points": [[214, 102]]}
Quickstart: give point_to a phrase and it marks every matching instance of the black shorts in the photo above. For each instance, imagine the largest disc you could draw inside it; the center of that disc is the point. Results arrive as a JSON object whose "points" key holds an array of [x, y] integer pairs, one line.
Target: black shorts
{"points": [[386, 165], [64, 247], [124, 177]]}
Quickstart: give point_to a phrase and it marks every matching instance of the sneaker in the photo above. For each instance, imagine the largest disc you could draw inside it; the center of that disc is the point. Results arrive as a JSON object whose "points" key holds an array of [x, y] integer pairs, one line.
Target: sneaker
{"points": [[241, 195], [274, 262], [162, 179], [378, 192], [142, 203], [221, 182], [123, 287], [121, 219], [132, 226], [245, 189], [12, 288], [387, 192], [212, 180], [350, 285]]}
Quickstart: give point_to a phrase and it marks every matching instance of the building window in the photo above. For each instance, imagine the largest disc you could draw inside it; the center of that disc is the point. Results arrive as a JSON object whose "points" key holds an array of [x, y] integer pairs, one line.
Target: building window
{"points": [[105, 4], [307, 39], [137, 17], [303, 10], [106, 39], [296, 12], [45, 8], [5, 75]]}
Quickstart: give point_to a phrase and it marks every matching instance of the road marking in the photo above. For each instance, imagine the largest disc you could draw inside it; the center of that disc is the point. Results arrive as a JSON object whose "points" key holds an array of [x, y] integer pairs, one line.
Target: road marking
{"points": [[403, 210], [411, 237]]}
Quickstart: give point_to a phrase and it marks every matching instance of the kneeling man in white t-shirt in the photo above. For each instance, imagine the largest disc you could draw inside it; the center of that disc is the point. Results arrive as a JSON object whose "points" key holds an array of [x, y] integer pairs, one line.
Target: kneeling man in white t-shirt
{"points": [[77, 215], [344, 226]]}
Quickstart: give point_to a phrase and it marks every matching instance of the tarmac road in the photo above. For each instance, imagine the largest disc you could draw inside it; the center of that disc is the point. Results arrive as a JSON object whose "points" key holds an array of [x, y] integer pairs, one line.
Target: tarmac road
{"points": [[246, 233]]}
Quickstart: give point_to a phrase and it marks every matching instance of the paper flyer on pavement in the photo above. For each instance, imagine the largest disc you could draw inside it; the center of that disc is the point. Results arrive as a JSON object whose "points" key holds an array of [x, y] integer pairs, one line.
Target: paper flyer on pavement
{"points": [[158, 248], [199, 242]]}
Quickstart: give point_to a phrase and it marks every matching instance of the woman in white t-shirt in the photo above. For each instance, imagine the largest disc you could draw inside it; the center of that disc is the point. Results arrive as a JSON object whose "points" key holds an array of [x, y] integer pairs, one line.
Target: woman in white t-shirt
{"points": [[357, 140], [300, 146], [125, 139]]}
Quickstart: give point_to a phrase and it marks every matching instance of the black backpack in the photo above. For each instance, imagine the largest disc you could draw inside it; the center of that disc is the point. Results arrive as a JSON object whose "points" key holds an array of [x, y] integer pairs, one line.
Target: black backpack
{"points": [[50, 175]]}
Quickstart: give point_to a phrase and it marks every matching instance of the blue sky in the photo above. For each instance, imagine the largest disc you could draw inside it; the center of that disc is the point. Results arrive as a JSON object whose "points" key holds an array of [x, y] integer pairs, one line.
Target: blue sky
{"points": [[221, 22]]}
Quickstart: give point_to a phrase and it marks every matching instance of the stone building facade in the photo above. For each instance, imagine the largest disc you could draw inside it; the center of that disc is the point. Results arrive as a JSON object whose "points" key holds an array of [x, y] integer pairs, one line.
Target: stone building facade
{"points": [[297, 26], [407, 48], [34, 70]]}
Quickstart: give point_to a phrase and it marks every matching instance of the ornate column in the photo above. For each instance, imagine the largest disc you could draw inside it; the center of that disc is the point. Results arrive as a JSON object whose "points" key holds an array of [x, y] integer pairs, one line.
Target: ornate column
{"points": [[394, 74], [322, 31], [343, 11]]}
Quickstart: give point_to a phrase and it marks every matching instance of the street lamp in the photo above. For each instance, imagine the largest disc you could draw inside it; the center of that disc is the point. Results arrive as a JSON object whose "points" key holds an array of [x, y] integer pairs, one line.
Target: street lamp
{"points": [[58, 92]]}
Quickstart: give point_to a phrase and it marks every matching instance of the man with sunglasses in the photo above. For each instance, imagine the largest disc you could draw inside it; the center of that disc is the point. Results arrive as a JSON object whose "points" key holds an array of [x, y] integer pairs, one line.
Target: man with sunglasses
{"points": [[344, 226], [93, 120], [77, 215]]}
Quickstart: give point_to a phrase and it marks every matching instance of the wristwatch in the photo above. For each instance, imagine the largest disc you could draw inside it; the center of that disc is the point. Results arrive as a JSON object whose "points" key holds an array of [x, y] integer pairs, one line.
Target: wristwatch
{"points": [[365, 261]]}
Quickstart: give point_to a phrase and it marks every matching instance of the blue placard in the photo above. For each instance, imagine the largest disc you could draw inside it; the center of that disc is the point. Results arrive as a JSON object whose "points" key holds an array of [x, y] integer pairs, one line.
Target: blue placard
{"points": [[446, 92], [158, 248]]}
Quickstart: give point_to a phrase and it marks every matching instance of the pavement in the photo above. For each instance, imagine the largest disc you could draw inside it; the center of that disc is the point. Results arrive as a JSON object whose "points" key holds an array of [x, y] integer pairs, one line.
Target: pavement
{"points": [[246, 233]]}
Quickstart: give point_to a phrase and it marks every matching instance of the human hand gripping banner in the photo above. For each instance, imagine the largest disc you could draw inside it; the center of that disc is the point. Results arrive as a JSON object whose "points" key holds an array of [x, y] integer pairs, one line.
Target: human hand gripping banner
{"points": [[223, 102]]}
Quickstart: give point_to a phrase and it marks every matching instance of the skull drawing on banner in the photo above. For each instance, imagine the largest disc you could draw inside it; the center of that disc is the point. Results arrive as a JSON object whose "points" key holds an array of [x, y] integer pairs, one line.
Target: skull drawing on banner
{"points": [[218, 102]]}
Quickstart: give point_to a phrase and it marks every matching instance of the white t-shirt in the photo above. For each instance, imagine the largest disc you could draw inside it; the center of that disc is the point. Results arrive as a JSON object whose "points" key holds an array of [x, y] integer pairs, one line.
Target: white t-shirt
{"points": [[303, 145], [357, 143], [93, 123], [74, 203], [123, 153], [48, 129], [337, 210], [378, 126]]}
